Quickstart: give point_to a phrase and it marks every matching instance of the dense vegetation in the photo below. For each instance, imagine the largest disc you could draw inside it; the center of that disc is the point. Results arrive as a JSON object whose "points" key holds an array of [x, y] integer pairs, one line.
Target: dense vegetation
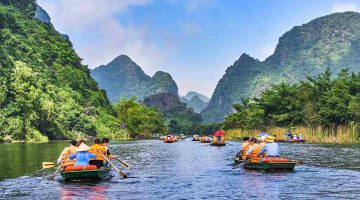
{"points": [[322, 101], [123, 78], [141, 121], [45, 91], [180, 119], [331, 41]]}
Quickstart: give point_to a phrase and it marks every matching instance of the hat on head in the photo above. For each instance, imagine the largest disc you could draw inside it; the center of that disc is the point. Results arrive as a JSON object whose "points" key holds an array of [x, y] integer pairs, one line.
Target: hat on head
{"points": [[270, 138], [83, 147], [262, 138]]}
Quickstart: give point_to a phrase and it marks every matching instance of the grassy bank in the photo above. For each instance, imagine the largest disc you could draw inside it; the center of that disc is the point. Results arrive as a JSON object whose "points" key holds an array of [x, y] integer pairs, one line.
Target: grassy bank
{"points": [[341, 135]]}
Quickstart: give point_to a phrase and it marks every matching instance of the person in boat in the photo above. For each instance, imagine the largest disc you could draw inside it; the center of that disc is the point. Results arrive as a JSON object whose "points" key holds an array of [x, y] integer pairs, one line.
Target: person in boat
{"points": [[295, 137], [97, 150], [289, 135], [104, 144], [80, 142], [271, 149], [71, 149], [82, 155], [244, 148], [254, 149], [300, 137]]}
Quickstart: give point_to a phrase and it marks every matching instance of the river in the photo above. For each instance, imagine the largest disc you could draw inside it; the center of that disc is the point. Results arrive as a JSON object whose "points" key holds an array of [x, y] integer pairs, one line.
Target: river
{"points": [[185, 170]]}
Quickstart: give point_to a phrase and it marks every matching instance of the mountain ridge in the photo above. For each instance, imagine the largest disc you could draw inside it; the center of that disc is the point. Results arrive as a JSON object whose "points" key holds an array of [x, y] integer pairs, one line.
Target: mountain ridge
{"points": [[307, 50]]}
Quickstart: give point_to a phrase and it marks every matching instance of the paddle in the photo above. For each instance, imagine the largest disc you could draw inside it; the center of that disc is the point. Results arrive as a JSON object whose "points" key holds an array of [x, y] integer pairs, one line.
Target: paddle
{"points": [[58, 169], [47, 165], [116, 169], [122, 162]]}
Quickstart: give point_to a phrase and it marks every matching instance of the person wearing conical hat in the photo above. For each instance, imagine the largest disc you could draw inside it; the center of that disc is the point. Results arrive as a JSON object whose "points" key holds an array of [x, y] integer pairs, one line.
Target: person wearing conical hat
{"points": [[271, 148], [82, 156]]}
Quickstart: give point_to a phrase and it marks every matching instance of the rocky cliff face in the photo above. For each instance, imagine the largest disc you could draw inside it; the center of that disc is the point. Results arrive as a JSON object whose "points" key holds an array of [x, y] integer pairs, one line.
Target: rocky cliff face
{"points": [[42, 15], [331, 41], [123, 78]]}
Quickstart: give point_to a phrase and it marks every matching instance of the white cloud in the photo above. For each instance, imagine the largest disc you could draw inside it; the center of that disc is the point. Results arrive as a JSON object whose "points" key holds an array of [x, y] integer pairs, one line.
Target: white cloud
{"points": [[344, 7], [97, 34], [266, 51]]}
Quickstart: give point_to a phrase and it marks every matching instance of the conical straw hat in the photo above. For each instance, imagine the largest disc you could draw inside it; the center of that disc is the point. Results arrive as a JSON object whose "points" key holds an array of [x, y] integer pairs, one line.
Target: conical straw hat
{"points": [[83, 147]]}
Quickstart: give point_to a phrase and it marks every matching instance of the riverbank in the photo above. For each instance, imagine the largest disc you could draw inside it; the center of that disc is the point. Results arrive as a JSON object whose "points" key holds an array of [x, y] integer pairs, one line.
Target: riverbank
{"points": [[342, 135]]}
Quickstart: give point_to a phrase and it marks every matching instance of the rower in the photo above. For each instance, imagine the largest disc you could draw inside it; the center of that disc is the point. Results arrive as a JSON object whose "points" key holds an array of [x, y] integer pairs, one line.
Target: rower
{"points": [[271, 149], [253, 151], [244, 148], [71, 149], [97, 149]]}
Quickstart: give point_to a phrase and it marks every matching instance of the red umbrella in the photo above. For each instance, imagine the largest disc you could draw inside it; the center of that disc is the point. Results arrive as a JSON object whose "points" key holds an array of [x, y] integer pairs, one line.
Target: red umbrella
{"points": [[219, 134]]}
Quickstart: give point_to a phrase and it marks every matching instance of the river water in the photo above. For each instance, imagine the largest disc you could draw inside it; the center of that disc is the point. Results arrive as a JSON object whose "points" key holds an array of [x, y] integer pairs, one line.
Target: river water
{"points": [[185, 170]]}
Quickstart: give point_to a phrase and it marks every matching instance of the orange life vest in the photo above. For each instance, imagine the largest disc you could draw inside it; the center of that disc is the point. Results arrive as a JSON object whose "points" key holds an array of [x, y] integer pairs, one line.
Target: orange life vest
{"points": [[262, 144], [65, 156], [244, 148], [254, 154], [94, 150]]}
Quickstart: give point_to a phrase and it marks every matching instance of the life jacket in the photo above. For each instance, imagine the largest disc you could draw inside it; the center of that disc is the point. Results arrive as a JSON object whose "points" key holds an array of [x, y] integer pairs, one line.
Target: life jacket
{"points": [[254, 154], [262, 144], [244, 148], [65, 156], [106, 150], [94, 150]]}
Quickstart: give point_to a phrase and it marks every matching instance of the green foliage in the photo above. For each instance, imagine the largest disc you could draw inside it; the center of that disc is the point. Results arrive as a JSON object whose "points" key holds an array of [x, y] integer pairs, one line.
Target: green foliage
{"points": [[331, 41], [320, 101], [139, 119], [45, 91]]}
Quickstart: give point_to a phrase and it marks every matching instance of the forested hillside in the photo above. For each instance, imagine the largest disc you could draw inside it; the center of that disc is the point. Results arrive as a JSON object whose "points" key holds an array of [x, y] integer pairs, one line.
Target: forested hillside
{"points": [[331, 41], [45, 91]]}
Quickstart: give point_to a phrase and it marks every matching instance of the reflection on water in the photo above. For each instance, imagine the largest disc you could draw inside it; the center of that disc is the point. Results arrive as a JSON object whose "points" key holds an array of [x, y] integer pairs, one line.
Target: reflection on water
{"points": [[191, 170]]}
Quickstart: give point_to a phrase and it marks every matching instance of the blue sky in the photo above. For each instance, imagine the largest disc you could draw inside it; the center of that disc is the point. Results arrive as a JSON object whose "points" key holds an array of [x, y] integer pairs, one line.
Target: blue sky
{"points": [[194, 40]]}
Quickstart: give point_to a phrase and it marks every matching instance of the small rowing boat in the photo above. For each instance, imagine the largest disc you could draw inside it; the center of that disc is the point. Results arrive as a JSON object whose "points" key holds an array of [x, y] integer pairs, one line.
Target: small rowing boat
{"points": [[270, 166], [84, 175], [217, 144]]}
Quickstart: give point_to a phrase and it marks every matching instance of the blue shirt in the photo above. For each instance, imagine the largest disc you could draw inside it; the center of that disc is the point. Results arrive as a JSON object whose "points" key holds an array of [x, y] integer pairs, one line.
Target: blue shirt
{"points": [[271, 149], [82, 158]]}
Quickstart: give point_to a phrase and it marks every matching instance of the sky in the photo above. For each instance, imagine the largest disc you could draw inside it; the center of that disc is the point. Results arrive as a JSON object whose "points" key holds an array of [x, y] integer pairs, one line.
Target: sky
{"points": [[193, 40]]}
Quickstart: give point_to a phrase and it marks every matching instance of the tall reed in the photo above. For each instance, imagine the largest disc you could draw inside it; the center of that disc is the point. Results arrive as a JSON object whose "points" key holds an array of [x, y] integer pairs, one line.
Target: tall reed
{"points": [[342, 134]]}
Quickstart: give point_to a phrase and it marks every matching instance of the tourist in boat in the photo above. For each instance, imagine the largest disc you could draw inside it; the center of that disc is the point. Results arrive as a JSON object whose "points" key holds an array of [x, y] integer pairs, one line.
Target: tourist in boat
{"points": [[253, 151], [71, 149], [82, 156], [271, 149], [80, 142], [97, 149], [244, 147], [300, 136], [295, 137], [288, 134], [104, 144]]}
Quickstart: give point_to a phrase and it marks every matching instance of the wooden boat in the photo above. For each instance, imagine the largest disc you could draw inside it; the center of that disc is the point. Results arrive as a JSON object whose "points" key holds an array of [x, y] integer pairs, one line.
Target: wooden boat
{"points": [[270, 166], [217, 144], [84, 175], [238, 160], [290, 141]]}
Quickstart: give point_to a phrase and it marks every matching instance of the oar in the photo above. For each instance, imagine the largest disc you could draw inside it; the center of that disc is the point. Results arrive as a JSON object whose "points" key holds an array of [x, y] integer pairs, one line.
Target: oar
{"points": [[116, 169], [58, 169], [229, 144], [123, 163], [47, 165]]}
